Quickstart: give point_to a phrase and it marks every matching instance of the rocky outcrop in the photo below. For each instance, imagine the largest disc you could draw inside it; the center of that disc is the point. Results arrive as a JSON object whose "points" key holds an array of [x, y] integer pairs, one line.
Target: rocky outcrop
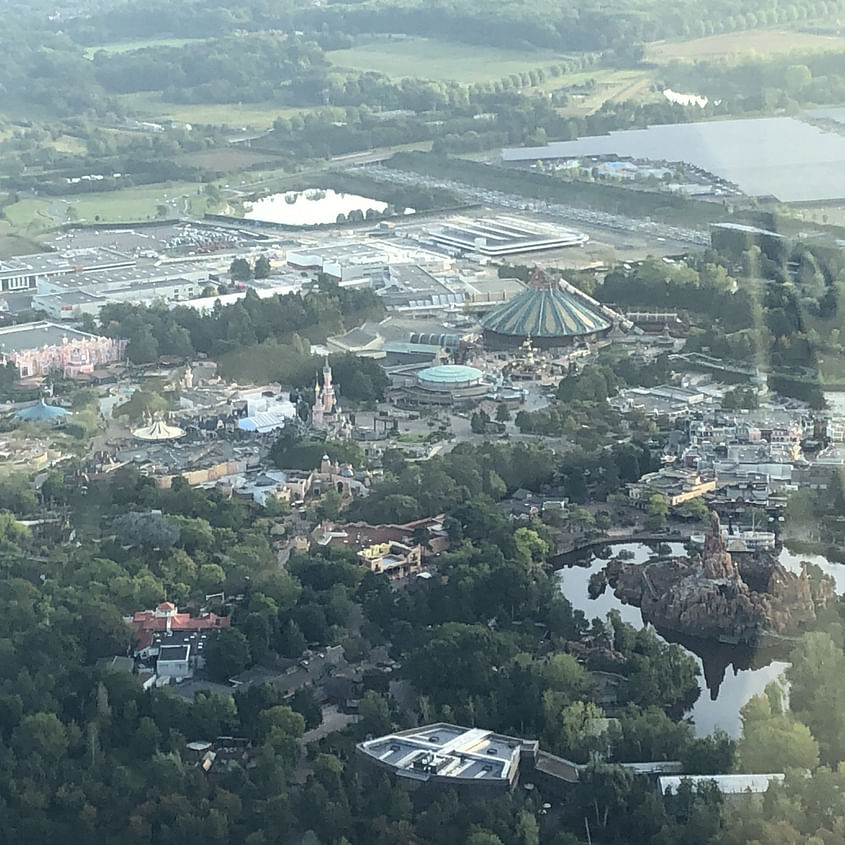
{"points": [[707, 596]]}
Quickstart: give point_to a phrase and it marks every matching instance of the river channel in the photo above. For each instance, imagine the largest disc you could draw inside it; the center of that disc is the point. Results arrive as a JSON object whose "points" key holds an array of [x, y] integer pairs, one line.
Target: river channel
{"points": [[730, 675]]}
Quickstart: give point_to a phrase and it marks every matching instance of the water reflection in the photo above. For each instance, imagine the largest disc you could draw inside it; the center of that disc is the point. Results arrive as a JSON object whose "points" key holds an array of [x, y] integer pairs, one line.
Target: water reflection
{"points": [[731, 674], [308, 208]]}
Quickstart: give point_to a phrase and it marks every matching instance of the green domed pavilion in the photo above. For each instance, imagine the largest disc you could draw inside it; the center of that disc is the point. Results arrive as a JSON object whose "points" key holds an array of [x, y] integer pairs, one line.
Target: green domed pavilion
{"points": [[545, 312]]}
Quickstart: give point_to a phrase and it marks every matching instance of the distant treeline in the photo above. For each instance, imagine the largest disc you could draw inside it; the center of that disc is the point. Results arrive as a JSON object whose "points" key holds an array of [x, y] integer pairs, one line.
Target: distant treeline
{"points": [[540, 23]]}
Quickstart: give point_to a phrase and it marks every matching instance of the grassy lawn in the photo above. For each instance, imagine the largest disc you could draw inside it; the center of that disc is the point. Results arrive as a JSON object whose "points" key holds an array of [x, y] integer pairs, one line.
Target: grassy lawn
{"points": [[734, 45], [126, 46], [13, 244], [128, 205], [148, 105], [425, 58], [29, 215], [611, 84]]}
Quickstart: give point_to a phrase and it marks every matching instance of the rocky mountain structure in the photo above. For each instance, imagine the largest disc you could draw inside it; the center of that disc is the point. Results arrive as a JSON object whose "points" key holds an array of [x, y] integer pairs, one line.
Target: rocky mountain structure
{"points": [[712, 596]]}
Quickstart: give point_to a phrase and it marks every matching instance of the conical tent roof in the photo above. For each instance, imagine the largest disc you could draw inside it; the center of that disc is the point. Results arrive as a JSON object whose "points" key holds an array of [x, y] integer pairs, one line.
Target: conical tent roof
{"points": [[41, 411], [158, 430], [545, 312]]}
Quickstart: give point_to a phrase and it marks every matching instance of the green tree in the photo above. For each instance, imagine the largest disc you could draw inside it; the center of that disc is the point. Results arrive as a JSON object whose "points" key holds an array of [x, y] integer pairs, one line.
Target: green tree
{"points": [[503, 413], [816, 676], [142, 347], [478, 422], [262, 268], [772, 739], [240, 270], [374, 714], [657, 509], [226, 654], [42, 734], [695, 509]]}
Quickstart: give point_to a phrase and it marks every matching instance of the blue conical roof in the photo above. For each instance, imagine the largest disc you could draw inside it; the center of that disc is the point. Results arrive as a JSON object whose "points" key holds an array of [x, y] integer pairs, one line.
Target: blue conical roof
{"points": [[40, 411]]}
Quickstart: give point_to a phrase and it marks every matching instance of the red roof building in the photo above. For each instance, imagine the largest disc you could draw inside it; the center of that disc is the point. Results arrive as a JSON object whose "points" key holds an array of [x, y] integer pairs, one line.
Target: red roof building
{"points": [[149, 625]]}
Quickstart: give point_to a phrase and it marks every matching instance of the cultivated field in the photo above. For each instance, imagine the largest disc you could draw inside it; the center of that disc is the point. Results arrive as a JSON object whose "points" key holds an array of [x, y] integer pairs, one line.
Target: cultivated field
{"points": [[735, 45], [149, 106], [227, 159], [425, 58]]}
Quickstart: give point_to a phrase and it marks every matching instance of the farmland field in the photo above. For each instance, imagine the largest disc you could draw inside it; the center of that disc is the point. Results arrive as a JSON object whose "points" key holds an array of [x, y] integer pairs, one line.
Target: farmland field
{"points": [[735, 45], [426, 58], [150, 106], [227, 159]]}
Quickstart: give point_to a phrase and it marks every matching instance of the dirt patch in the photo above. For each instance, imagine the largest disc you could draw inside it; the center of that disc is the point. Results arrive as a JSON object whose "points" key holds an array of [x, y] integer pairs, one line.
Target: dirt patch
{"points": [[228, 159]]}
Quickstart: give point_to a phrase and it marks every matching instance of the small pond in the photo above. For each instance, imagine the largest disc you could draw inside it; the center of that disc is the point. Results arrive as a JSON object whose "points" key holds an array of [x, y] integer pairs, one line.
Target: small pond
{"points": [[309, 207]]}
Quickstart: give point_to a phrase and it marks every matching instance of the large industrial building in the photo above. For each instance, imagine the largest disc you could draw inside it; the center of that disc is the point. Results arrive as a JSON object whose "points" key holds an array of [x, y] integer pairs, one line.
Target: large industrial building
{"points": [[552, 313], [350, 260], [28, 272], [497, 236]]}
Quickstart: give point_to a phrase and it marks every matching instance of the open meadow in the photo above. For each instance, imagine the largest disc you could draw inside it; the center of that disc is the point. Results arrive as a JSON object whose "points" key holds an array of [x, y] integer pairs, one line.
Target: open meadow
{"points": [[426, 58], [126, 46], [148, 105], [739, 45], [145, 202]]}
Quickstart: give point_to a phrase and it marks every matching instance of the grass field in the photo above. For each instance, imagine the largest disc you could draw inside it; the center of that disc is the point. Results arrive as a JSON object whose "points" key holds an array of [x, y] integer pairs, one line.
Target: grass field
{"points": [[228, 159], [611, 84], [13, 244], [126, 46], [30, 215], [734, 45], [425, 58], [150, 106]]}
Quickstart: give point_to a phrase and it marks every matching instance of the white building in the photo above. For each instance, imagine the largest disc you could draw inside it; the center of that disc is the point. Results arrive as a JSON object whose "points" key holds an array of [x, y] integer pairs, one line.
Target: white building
{"points": [[174, 661]]}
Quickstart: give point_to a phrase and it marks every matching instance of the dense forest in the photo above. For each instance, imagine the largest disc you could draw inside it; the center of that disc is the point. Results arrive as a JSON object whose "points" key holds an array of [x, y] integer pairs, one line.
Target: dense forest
{"points": [[88, 754]]}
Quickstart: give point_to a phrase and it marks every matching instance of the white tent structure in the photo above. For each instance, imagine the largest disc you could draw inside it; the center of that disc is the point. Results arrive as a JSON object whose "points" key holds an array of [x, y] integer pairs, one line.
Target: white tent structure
{"points": [[158, 431], [265, 421]]}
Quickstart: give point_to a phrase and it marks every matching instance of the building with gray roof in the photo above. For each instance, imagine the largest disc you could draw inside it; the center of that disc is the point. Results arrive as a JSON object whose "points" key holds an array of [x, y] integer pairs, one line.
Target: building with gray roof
{"points": [[450, 756], [26, 272], [498, 236], [726, 784]]}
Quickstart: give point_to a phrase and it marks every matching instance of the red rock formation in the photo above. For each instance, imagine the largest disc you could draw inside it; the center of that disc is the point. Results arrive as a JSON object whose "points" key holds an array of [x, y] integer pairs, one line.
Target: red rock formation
{"points": [[706, 596]]}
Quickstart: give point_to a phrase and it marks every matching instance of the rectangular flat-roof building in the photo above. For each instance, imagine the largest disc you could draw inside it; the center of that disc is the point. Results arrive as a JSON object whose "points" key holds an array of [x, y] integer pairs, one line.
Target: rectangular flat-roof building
{"points": [[26, 272], [726, 784], [502, 235]]}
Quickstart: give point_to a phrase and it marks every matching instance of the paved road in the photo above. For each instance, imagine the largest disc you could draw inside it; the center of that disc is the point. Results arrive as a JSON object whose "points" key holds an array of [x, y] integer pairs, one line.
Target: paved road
{"points": [[333, 720], [571, 214]]}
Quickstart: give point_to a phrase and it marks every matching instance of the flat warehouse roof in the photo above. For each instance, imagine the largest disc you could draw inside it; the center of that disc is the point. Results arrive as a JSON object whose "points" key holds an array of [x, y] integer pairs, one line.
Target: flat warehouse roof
{"points": [[504, 235], [36, 335], [63, 262]]}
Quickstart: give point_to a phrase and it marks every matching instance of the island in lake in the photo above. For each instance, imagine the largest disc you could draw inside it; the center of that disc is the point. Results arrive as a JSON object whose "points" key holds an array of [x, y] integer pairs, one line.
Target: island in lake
{"points": [[753, 600]]}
